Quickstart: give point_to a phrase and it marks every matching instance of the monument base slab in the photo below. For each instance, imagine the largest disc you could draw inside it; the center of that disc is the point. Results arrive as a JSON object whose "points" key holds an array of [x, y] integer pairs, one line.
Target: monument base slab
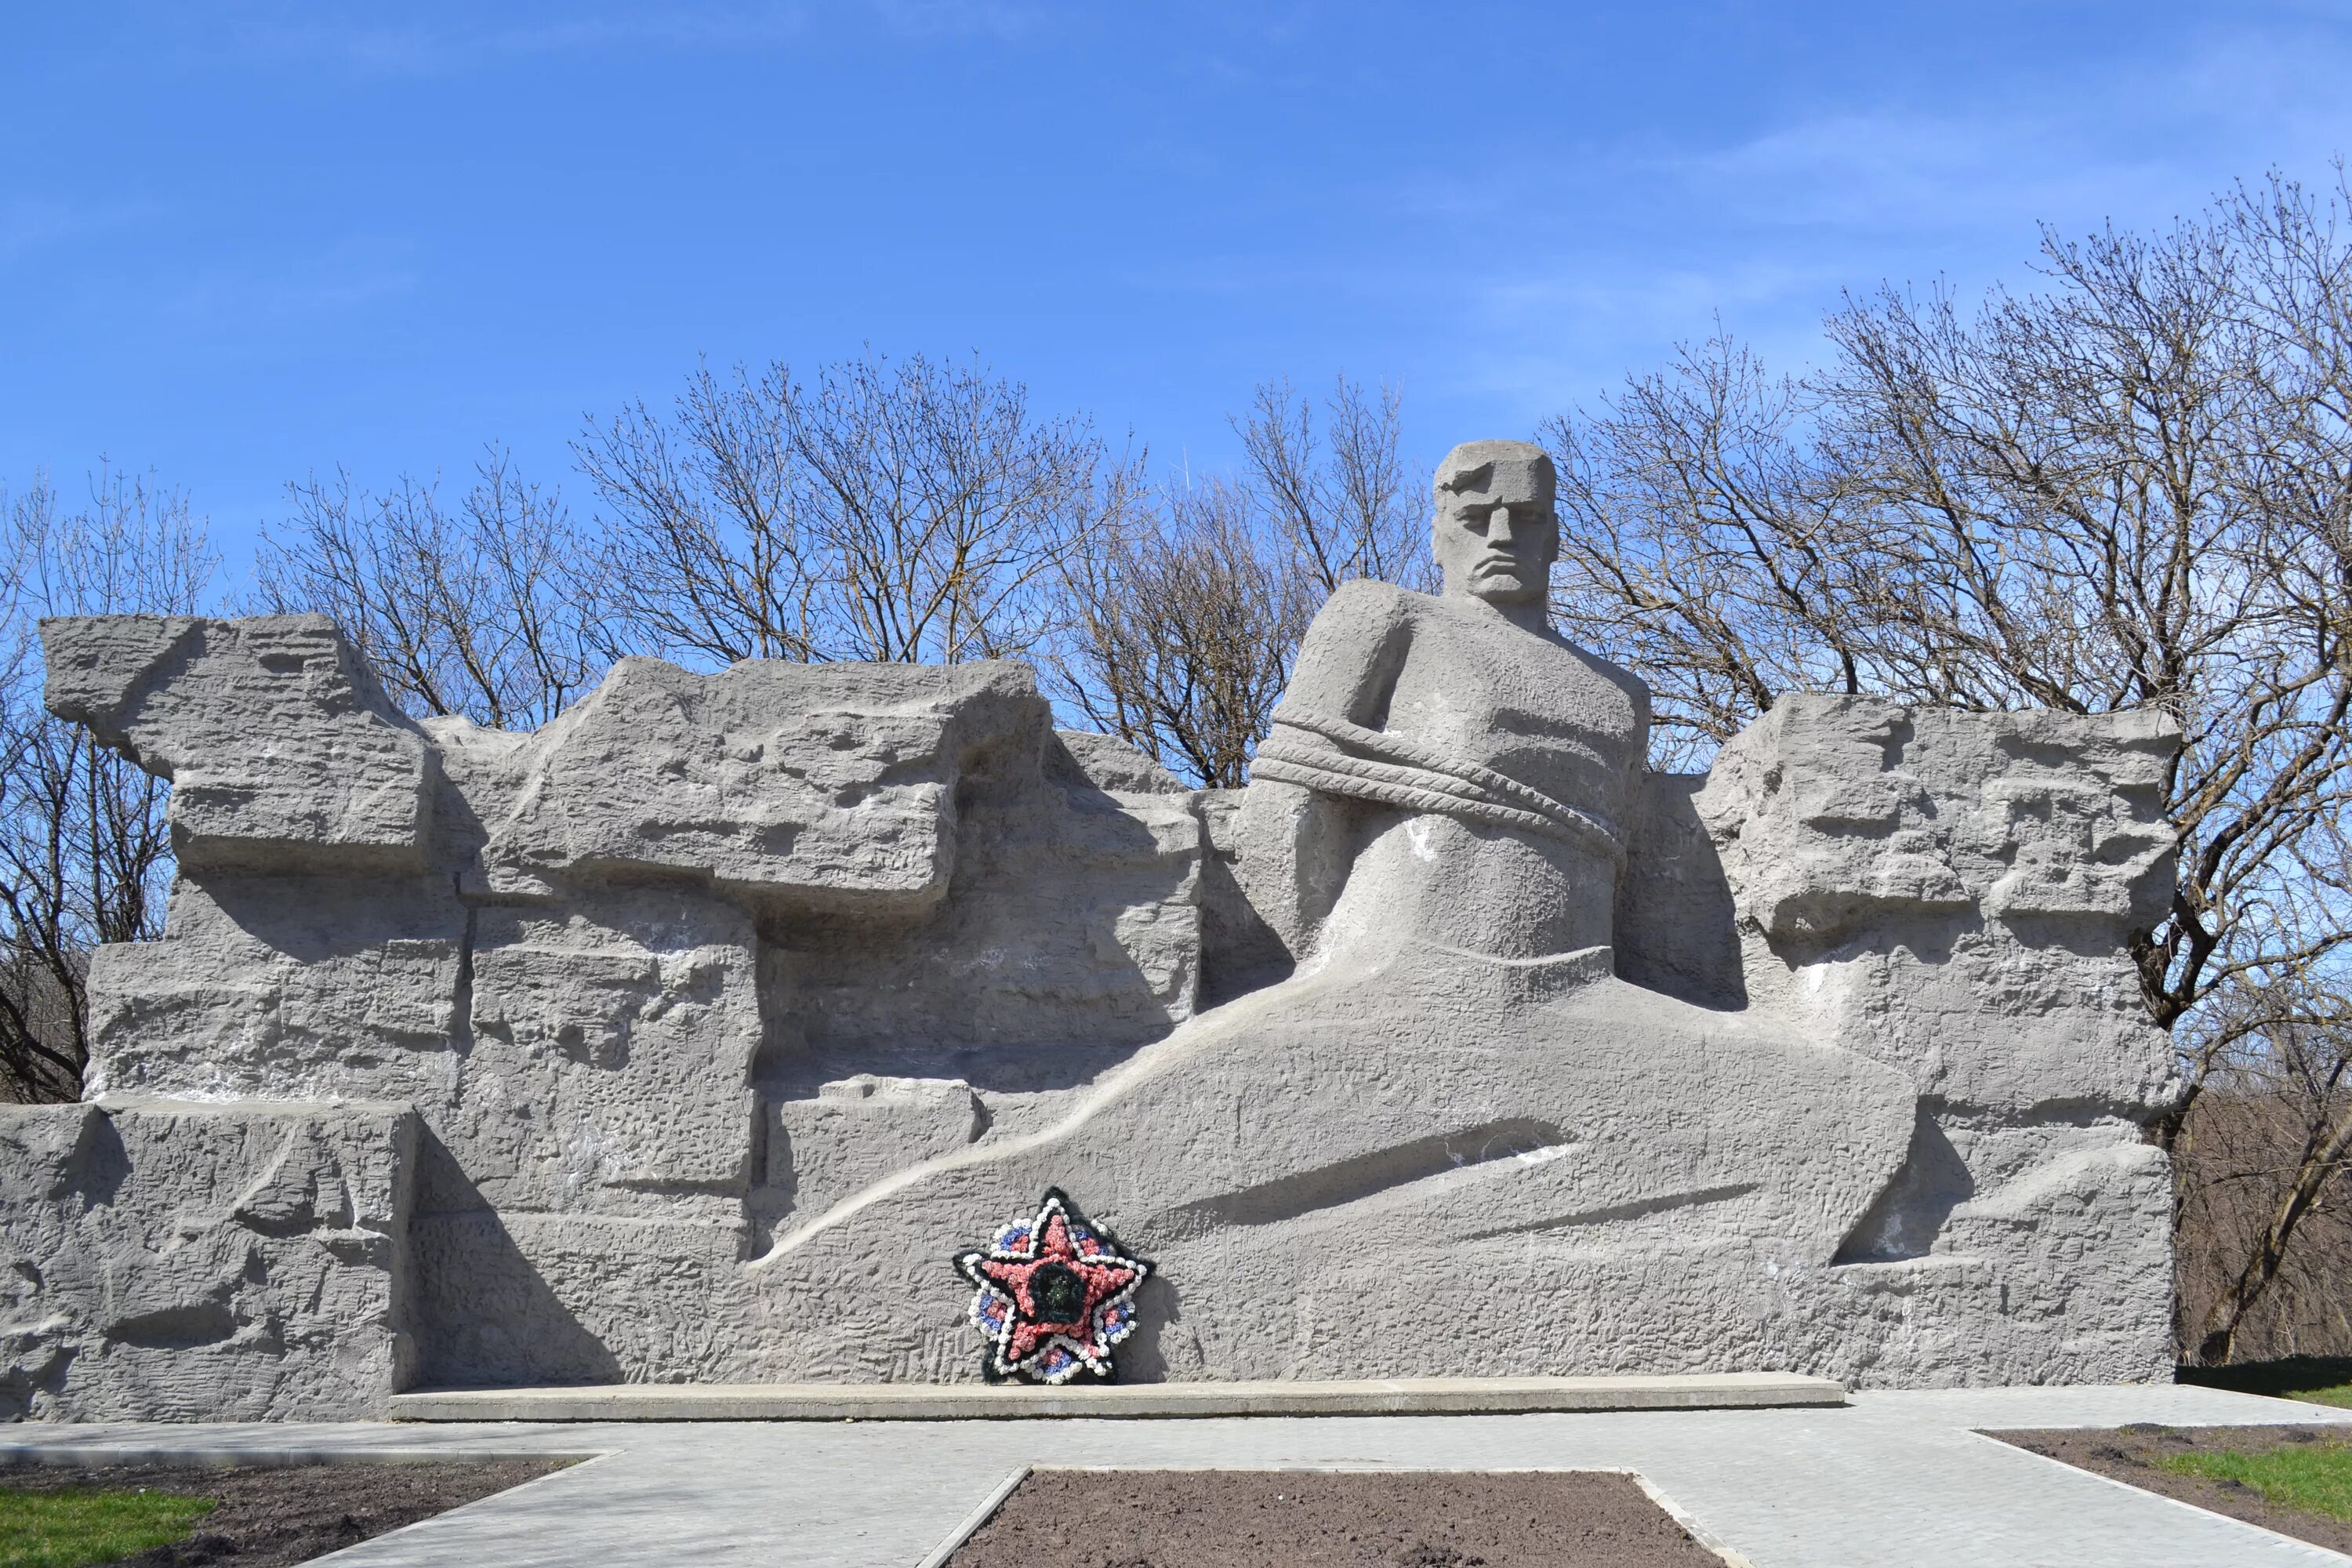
{"points": [[970, 1402]]}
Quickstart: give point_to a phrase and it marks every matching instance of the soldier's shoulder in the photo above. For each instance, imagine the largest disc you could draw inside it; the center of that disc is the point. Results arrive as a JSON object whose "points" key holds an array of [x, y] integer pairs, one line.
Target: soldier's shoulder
{"points": [[1361, 621], [1365, 599]]}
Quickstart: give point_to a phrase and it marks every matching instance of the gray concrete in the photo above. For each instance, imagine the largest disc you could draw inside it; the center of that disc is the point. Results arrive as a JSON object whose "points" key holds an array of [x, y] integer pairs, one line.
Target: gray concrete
{"points": [[216, 1258], [968, 1402], [1896, 1479], [698, 1028]]}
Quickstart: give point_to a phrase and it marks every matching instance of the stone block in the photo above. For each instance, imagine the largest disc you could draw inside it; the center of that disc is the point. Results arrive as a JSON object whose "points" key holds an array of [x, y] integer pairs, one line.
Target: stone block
{"points": [[508, 1297], [1951, 893], [179, 1262], [281, 748], [1832, 812], [320, 985], [609, 1067], [829, 787]]}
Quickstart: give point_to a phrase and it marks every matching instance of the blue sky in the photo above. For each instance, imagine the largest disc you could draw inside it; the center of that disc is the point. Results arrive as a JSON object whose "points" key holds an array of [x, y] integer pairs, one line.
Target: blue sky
{"points": [[241, 243]]}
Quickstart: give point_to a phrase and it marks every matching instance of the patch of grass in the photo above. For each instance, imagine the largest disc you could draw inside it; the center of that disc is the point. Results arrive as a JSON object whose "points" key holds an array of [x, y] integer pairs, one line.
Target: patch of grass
{"points": [[77, 1525], [2317, 1479], [2315, 1380]]}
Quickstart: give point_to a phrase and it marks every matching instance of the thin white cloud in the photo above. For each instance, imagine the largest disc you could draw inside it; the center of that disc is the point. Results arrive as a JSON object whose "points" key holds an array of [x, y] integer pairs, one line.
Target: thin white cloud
{"points": [[413, 43], [959, 18], [355, 274], [1767, 231], [29, 223], [2139, 140]]}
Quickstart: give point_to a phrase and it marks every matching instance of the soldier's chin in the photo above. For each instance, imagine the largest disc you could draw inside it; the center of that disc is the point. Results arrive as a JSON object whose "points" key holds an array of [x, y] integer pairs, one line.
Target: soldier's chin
{"points": [[1504, 587]]}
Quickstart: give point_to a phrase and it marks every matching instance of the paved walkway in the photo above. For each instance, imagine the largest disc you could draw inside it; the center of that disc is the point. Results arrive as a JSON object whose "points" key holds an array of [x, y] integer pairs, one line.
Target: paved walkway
{"points": [[1896, 1479]]}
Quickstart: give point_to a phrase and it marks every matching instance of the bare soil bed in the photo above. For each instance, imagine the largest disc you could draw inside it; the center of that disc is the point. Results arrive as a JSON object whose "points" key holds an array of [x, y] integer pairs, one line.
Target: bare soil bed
{"points": [[270, 1515], [2135, 1455], [1310, 1519]]}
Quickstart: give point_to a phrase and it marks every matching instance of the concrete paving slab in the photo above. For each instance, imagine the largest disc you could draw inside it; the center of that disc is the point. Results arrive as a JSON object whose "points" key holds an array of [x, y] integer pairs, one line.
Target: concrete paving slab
{"points": [[964, 1402], [1889, 1481]]}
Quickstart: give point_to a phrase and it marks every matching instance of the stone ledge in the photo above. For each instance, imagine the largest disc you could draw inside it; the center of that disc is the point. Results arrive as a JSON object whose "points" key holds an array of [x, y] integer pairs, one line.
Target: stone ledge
{"points": [[964, 1402]]}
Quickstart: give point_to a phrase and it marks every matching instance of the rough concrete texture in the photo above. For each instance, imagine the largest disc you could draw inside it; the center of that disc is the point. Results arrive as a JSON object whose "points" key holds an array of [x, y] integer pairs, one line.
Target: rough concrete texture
{"points": [[176, 1261], [280, 747], [730, 1005]]}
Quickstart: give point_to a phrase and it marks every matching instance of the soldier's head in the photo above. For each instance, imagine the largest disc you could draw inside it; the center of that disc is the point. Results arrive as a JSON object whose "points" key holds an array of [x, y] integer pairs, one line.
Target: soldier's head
{"points": [[1496, 535]]}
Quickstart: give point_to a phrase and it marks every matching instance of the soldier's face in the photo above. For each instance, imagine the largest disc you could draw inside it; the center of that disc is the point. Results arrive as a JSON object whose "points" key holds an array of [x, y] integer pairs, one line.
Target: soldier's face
{"points": [[1497, 544]]}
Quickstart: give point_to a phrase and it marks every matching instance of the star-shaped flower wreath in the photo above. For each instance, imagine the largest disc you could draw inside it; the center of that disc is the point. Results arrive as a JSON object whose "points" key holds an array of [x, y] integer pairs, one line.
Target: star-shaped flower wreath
{"points": [[1055, 1293]]}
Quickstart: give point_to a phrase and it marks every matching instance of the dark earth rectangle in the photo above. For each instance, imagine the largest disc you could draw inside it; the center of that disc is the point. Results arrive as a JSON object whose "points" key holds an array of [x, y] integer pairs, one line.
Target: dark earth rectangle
{"points": [[273, 1515], [1316, 1519], [2132, 1453]]}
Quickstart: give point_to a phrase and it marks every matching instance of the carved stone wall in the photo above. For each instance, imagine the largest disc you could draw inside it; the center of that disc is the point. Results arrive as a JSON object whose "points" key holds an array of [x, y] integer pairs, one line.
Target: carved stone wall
{"points": [[174, 1262], [482, 1057], [627, 969], [1952, 894]]}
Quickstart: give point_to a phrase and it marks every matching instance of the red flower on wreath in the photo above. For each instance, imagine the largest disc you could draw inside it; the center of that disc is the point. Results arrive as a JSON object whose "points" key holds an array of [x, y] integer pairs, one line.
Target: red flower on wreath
{"points": [[1055, 1293]]}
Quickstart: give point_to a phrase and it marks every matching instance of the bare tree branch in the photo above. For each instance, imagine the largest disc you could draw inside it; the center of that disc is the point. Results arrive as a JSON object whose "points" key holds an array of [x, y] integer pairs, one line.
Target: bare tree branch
{"points": [[1183, 626], [909, 511], [492, 611]]}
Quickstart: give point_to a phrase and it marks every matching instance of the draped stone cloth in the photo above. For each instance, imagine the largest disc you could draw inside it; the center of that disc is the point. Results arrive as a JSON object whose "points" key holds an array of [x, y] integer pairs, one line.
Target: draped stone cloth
{"points": [[1431, 1162], [1319, 751]]}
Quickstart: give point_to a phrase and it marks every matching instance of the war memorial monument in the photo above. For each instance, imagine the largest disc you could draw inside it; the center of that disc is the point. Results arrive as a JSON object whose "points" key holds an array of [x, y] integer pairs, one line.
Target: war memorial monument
{"points": [[708, 1034]]}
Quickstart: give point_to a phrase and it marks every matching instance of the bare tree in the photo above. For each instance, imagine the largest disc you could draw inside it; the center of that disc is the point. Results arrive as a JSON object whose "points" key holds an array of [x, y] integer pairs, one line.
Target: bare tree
{"points": [[2126, 492], [85, 854], [899, 511], [1184, 622], [704, 529], [492, 610], [2266, 1227], [1340, 499], [1184, 626], [1702, 544]]}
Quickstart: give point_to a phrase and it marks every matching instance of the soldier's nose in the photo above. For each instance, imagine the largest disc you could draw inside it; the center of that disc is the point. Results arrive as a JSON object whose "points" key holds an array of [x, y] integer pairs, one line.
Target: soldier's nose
{"points": [[1498, 526]]}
